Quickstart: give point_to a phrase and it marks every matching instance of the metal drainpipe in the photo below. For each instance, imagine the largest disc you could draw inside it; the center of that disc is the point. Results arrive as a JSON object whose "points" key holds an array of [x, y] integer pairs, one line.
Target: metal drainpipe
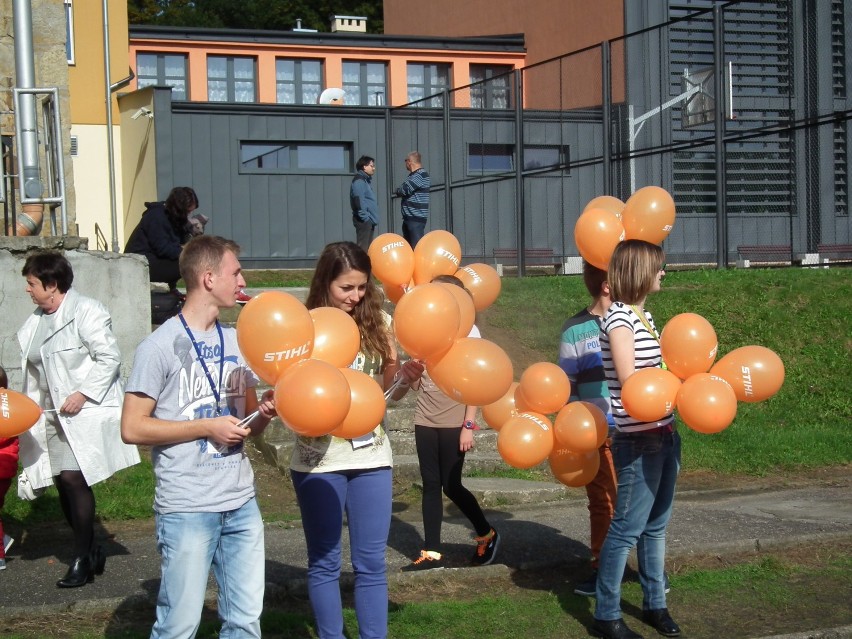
{"points": [[110, 142], [25, 79]]}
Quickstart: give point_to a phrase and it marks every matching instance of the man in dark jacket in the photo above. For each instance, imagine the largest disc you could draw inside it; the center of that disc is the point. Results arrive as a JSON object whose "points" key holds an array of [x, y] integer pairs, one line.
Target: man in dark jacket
{"points": [[362, 199]]}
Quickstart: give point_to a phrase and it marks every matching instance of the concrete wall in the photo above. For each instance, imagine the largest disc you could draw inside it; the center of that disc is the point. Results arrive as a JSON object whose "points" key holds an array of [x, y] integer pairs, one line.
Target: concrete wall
{"points": [[118, 281]]}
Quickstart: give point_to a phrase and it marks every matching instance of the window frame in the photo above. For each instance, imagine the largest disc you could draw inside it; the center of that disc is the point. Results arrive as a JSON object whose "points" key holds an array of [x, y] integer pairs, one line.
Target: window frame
{"points": [[364, 86], [298, 79], [70, 48], [344, 146], [162, 79], [430, 86], [231, 80], [509, 152], [486, 86]]}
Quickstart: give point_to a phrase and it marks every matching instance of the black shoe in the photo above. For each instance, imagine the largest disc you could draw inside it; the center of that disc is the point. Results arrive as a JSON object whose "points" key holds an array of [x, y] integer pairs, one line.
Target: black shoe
{"points": [[588, 587], [428, 560], [486, 548], [97, 557], [661, 621], [79, 574], [612, 630]]}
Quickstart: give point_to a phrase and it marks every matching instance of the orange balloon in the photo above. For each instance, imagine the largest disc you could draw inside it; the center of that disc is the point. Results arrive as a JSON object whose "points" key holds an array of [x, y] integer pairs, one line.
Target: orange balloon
{"points": [[580, 426], [706, 403], [482, 281], [467, 311], [525, 440], [312, 398], [572, 468], [18, 413], [474, 371], [607, 203], [498, 413], [649, 394], [391, 259], [337, 339], [754, 372], [426, 320], [274, 331], [367, 406], [521, 403], [689, 345], [394, 292], [437, 253], [649, 215], [596, 234], [545, 387]]}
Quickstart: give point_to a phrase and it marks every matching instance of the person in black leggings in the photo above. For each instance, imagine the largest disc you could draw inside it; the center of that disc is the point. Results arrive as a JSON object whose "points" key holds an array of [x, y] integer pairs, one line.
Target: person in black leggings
{"points": [[443, 433]]}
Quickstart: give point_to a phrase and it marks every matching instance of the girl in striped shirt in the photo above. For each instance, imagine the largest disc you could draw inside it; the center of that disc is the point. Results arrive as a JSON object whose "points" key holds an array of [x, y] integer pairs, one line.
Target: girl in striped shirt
{"points": [[646, 454]]}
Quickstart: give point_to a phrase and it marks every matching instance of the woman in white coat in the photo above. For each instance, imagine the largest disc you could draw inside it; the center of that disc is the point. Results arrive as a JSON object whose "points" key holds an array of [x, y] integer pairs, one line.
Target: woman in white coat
{"points": [[70, 361]]}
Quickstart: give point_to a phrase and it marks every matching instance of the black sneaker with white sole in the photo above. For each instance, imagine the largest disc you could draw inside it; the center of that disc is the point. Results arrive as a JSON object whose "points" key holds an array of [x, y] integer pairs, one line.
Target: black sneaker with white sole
{"points": [[486, 548]]}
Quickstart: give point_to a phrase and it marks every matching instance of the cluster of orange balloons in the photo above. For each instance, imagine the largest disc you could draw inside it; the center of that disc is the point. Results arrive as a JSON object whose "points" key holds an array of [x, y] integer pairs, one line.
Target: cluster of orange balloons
{"points": [[432, 320], [19, 413], [306, 355], [648, 215], [527, 436], [704, 394]]}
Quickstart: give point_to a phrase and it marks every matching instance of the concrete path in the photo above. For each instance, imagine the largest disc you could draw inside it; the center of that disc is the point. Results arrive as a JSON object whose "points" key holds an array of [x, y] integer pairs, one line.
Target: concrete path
{"points": [[533, 535]]}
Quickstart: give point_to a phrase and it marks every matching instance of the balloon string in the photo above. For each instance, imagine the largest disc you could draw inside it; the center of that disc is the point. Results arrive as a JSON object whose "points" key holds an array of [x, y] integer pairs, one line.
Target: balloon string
{"points": [[248, 418], [393, 387], [56, 410]]}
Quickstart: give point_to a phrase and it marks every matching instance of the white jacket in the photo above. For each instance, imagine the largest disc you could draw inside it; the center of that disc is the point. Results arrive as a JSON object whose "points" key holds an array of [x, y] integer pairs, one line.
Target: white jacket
{"points": [[82, 355]]}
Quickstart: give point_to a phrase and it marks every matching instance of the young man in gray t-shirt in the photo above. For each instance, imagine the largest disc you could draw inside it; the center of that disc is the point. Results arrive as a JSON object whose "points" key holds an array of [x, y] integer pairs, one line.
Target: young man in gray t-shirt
{"points": [[186, 395]]}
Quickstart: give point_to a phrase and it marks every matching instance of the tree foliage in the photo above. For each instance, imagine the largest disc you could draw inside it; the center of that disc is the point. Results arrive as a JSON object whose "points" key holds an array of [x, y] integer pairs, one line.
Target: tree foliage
{"points": [[275, 15]]}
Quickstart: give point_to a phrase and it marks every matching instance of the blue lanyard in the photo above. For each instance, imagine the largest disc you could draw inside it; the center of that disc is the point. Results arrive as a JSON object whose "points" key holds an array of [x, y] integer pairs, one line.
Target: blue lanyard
{"points": [[218, 388]]}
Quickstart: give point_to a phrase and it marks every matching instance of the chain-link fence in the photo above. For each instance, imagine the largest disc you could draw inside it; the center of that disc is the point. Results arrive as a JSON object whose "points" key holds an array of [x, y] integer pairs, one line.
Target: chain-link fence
{"points": [[740, 111]]}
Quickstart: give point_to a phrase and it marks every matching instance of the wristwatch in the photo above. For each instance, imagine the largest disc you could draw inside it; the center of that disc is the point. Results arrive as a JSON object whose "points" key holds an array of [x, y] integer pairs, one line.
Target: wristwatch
{"points": [[469, 425]]}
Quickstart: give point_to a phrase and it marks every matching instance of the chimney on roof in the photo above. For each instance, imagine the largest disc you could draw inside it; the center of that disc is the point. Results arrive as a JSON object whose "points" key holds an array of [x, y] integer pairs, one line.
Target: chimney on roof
{"points": [[351, 24], [299, 29]]}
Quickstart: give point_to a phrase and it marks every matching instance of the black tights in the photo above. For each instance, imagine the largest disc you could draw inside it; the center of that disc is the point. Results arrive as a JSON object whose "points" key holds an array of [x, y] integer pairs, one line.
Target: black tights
{"points": [[441, 464], [78, 506]]}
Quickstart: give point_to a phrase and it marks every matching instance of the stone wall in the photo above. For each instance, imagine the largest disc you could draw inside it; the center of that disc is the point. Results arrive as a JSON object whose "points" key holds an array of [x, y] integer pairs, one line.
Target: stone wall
{"points": [[51, 70], [118, 281]]}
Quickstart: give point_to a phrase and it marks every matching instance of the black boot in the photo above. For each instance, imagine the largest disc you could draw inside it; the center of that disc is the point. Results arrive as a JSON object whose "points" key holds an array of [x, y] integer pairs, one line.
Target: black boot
{"points": [[79, 574], [97, 557]]}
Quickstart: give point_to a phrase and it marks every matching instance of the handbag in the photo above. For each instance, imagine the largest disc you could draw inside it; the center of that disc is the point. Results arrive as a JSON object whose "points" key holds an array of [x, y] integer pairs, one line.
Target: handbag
{"points": [[25, 488]]}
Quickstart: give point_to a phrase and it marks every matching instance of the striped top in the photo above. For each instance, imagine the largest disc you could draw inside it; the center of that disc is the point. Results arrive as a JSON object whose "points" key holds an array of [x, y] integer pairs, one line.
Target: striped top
{"points": [[415, 194], [647, 354], [580, 358]]}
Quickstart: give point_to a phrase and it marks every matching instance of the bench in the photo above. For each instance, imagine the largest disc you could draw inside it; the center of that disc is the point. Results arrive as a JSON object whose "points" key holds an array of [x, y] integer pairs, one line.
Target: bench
{"points": [[748, 253], [532, 257], [836, 252]]}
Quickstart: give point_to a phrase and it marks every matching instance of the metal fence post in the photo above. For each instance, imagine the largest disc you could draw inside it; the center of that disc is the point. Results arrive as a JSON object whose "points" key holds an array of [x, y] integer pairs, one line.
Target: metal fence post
{"points": [[721, 190], [448, 196], [606, 119], [520, 215]]}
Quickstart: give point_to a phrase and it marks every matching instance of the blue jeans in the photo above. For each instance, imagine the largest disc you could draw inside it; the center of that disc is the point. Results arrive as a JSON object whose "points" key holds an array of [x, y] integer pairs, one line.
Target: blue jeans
{"points": [[189, 544], [366, 497], [413, 229], [646, 465]]}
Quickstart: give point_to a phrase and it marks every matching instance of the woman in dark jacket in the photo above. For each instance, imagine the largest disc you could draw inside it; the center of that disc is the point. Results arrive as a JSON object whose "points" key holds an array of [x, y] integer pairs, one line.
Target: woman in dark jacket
{"points": [[161, 233]]}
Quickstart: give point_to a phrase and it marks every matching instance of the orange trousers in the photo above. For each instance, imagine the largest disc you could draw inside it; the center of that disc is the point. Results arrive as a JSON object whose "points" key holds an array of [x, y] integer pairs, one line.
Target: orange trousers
{"points": [[601, 493]]}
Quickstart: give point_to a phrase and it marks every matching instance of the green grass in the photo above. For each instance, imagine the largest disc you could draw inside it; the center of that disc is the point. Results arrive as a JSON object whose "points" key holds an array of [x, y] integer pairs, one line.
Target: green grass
{"points": [[801, 314]]}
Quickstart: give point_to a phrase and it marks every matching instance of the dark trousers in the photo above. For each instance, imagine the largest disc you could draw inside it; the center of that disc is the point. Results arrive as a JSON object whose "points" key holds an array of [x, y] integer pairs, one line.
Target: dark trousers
{"points": [[364, 232], [441, 464], [163, 270], [413, 229]]}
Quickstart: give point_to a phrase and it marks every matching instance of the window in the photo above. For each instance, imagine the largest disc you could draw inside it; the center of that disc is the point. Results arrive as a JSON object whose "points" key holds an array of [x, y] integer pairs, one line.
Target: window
{"points": [[365, 83], [545, 156], [500, 158], [163, 69], [425, 80], [298, 81], [490, 158], [295, 157], [492, 86], [231, 79], [69, 31]]}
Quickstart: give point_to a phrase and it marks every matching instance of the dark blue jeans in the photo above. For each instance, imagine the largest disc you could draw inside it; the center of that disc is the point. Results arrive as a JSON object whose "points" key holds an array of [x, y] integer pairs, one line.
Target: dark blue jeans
{"points": [[647, 465], [366, 497], [413, 229]]}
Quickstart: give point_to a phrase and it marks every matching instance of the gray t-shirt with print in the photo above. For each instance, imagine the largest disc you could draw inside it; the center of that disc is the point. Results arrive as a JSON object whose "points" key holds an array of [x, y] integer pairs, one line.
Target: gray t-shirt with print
{"points": [[195, 476]]}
